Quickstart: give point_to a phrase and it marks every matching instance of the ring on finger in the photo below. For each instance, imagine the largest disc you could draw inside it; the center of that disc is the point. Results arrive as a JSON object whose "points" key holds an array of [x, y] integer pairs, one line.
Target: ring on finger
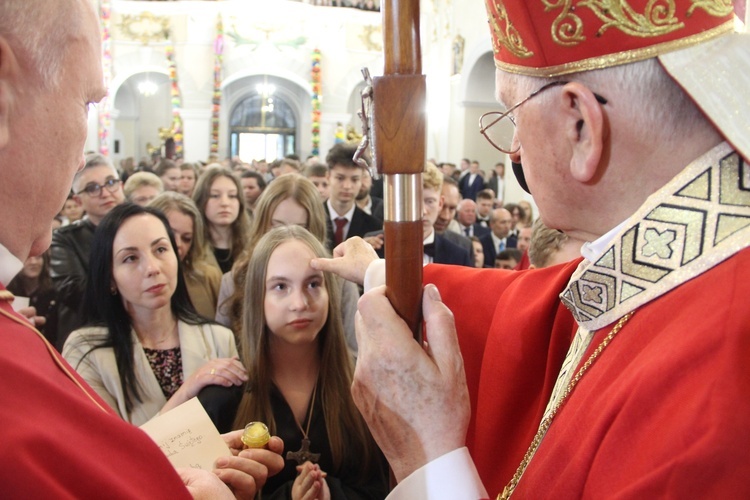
{"points": [[213, 371]]}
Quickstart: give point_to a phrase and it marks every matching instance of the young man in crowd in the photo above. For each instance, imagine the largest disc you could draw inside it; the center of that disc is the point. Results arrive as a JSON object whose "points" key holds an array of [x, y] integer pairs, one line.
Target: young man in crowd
{"points": [[345, 218]]}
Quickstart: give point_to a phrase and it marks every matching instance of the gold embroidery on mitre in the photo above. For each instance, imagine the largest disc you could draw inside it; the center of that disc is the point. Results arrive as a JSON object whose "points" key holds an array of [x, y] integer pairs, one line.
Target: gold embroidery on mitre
{"points": [[623, 57], [657, 19], [718, 8], [698, 220], [507, 37]]}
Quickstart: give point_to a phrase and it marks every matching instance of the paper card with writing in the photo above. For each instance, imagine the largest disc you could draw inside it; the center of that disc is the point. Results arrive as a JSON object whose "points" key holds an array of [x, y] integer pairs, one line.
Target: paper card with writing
{"points": [[187, 436]]}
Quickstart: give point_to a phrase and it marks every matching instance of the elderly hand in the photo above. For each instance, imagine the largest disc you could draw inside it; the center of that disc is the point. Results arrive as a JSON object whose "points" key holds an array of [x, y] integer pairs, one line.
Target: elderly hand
{"points": [[201, 484], [247, 470], [350, 260], [414, 398]]}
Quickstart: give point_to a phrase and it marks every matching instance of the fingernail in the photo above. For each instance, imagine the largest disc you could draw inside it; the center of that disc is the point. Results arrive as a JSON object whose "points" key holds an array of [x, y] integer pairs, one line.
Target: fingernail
{"points": [[434, 293], [220, 463]]}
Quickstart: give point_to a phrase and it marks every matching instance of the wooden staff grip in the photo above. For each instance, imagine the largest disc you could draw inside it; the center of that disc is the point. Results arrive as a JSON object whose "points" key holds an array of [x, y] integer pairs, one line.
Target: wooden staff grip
{"points": [[401, 44], [403, 272], [399, 124]]}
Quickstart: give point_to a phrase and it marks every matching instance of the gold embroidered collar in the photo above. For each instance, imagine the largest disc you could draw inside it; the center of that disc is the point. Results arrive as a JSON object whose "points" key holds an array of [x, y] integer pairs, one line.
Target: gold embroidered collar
{"points": [[696, 221]]}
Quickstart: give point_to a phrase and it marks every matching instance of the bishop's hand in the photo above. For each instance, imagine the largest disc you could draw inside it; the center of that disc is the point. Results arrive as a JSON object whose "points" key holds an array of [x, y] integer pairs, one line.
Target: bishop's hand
{"points": [[414, 398], [350, 260]]}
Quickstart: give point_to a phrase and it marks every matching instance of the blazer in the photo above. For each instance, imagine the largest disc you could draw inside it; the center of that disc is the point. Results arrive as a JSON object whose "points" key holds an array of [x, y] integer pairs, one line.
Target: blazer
{"points": [[198, 345], [470, 190], [44, 408], [479, 230], [362, 223], [490, 252], [447, 252]]}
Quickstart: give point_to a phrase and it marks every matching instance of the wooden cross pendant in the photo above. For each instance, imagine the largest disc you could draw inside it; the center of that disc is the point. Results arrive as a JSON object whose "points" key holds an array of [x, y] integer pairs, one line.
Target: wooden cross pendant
{"points": [[304, 454]]}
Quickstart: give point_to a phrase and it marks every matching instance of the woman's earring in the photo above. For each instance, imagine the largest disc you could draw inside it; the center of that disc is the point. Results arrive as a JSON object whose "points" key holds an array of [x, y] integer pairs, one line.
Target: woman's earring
{"points": [[113, 290]]}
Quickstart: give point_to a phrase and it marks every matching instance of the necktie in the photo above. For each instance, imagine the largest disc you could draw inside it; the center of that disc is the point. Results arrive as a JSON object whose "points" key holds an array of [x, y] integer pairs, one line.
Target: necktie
{"points": [[339, 234], [467, 230], [501, 246], [429, 249]]}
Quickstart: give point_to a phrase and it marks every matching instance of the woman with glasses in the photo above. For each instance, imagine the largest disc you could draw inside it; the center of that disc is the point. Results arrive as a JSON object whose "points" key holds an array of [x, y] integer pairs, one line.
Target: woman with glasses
{"points": [[218, 195], [97, 189]]}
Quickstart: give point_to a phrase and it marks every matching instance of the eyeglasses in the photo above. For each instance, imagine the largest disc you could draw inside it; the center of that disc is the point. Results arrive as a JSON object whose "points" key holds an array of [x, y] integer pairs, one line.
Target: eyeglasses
{"points": [[497, 136], [94, 190]]}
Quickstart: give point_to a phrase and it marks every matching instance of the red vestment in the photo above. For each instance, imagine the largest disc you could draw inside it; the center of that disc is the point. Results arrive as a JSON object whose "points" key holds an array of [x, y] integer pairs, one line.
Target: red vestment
{"points": [[56, 442], [664, 411]]}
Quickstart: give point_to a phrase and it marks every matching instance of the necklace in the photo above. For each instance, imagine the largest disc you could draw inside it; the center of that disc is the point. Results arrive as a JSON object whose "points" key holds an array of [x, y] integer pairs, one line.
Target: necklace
{"points": [[168, 335], [303, 454], [544, 426]]}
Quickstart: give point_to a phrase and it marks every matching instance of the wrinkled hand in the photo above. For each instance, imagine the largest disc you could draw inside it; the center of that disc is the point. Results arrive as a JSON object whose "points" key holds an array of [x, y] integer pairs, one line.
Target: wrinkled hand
{"points": [[203, 484], [30, 314], [310, 484], [350, 260], [246, 471], [404, 390]]}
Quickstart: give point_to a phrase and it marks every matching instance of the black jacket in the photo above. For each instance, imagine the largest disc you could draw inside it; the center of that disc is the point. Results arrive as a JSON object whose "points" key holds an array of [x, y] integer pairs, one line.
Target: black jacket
{"points": [[69, 265]]}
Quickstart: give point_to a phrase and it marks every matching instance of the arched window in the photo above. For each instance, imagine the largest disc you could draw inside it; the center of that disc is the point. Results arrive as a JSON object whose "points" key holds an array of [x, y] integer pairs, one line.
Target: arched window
{"points": [[263, 126]]}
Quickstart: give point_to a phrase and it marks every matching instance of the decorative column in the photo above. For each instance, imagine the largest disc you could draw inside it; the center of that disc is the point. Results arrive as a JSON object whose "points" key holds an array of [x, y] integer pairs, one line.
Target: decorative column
{"points": [[176, 100], [316, 97], [104, 106], [216, 108]]}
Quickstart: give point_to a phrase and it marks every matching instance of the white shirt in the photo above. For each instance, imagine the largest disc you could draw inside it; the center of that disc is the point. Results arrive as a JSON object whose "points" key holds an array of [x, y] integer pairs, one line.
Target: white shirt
{"points": [[426, 259], [334, 215], [10, 265]]}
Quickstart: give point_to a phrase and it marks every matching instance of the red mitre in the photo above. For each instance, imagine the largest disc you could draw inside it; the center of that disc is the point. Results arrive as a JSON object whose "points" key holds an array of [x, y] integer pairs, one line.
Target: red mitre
{"points": [[553, 37]]}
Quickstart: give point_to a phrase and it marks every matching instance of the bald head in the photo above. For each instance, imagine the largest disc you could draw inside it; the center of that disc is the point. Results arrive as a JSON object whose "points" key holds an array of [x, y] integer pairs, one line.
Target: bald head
{"points": [[501, 222]]}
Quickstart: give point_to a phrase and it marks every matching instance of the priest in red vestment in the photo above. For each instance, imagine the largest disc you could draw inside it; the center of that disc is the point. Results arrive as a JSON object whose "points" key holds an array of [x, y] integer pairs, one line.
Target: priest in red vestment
{"points": [[622, 374]]}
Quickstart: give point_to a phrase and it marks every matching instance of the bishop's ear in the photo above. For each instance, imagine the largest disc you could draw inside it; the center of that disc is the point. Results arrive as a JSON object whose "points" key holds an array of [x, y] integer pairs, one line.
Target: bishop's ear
{"points": [[584, 128]]}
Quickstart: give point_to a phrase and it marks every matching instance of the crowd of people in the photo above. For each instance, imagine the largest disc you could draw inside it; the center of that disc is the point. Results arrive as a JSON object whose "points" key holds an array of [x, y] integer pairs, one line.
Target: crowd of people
{"points": [[170, 263], [241, 285]]}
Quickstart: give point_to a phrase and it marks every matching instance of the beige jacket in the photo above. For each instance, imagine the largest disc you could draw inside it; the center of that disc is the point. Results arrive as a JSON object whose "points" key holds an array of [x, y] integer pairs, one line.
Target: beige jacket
{"points": [[198, 344]]}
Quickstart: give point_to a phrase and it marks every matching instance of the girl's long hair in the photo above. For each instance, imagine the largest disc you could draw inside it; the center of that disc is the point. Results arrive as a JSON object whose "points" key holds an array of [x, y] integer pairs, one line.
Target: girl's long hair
{"points": [[199, 257], [240, 226], [289, 186], [106, 308], [349, 438]]}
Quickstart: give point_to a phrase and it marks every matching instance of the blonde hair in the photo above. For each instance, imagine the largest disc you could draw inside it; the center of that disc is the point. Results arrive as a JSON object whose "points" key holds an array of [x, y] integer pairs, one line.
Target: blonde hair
{"points": [[350, 441], [545, 242], [198, 257], [139, 180], [432, 177]]}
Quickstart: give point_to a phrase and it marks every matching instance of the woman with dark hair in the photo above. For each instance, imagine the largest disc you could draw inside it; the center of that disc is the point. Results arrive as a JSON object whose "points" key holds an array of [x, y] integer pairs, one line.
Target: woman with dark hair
{"points": [[149, 351], [35, 283], [301, 372], [218, 195]]}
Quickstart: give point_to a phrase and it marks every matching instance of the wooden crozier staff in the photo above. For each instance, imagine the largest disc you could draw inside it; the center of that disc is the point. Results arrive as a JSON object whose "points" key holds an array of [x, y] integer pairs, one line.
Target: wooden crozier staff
{"points": [[399, 141]]}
